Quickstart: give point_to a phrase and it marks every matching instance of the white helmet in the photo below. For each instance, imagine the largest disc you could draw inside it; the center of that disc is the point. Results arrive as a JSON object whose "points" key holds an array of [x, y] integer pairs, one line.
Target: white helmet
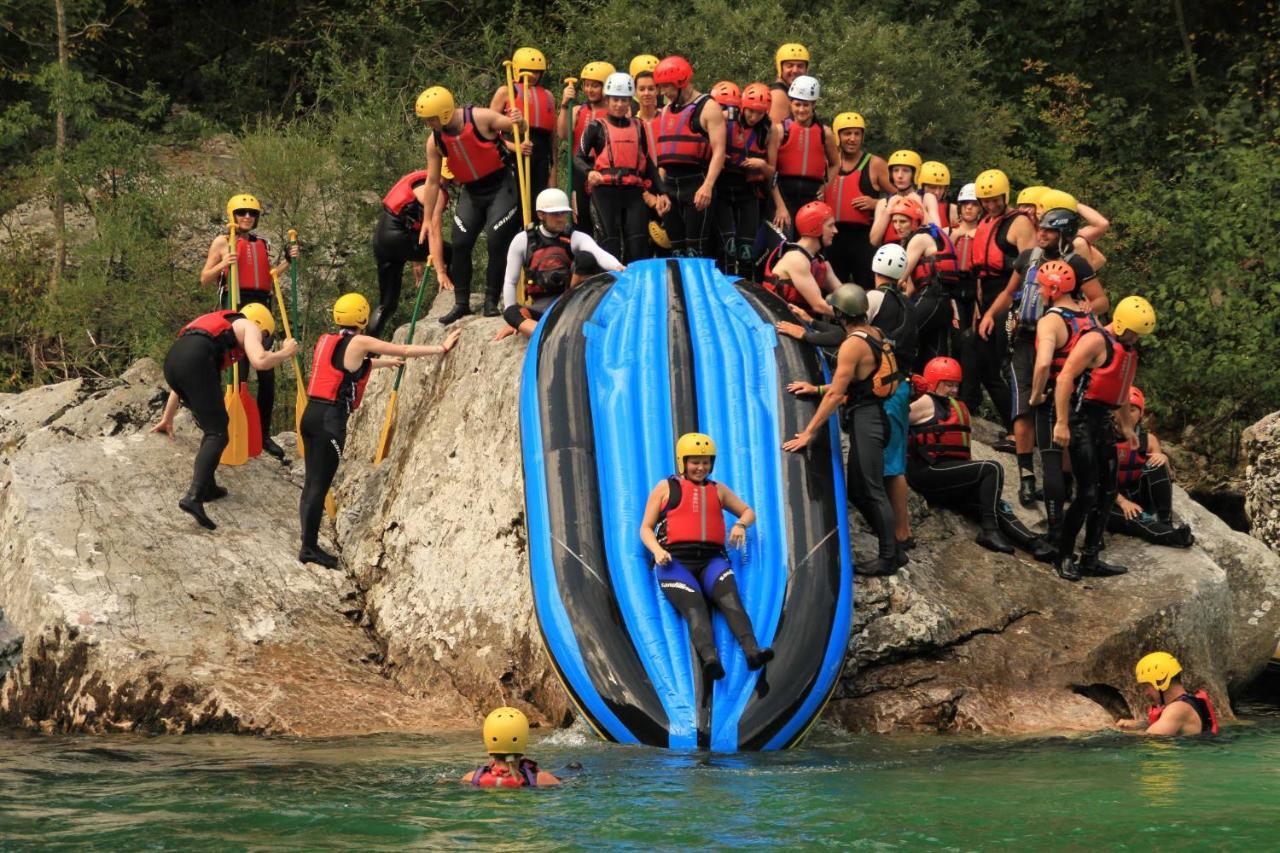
{"points": [[619, 85], [890, 260], [804, 88], [968, 192], [552, 201]]}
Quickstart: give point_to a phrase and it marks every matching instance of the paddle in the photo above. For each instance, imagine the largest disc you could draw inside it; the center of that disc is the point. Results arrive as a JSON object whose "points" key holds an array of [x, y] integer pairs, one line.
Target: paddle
{"points": [[388, 423], [237, 449], [570, 81], [521, 167], [300, 398]]}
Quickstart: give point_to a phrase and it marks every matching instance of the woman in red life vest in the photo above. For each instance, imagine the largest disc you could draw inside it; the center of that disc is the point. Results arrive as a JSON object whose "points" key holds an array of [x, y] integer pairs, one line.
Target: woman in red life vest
{"points": [[570, 125], [340, 369], [807, 155], [542, 114], [1144, 506], [506, 736], [683, 527], [934, 180], [1093, 383], [1174, 710], [749, 165], [798, 272], [861, 177], [931, 277], [193, 368], [621, 176], [253, 272], [904, 165]]}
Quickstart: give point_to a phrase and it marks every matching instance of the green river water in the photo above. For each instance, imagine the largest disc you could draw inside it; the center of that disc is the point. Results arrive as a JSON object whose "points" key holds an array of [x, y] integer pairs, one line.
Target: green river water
{"points": [[384, 792]]}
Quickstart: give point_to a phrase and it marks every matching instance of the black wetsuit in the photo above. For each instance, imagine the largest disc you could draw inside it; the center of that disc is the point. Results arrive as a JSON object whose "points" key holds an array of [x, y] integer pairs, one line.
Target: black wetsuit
{"points": [[1094, 465], [191, 370], [395, 243], [618, 212], [688, 228], [865, 421], [266, 395], [489, 206], [1153, 491]]}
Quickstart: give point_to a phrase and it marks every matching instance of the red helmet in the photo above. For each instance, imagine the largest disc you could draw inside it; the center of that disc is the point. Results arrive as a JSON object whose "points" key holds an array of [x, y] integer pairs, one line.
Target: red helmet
{"points": [[726, 94], [1137, 399], [757, 97], [811, 218], [941, 369], [910, 207], [674, 70], [1055, 278]]}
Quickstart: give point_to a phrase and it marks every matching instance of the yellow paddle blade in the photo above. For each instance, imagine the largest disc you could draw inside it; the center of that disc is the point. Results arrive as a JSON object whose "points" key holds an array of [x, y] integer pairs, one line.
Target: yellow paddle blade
{"points": [[388, 427], [237, 449], [299, 406], [330, 508]]}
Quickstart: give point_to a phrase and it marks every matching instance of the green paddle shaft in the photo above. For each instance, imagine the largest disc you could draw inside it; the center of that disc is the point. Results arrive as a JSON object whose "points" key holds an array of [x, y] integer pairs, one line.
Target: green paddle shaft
{"points": [[413, 322]]}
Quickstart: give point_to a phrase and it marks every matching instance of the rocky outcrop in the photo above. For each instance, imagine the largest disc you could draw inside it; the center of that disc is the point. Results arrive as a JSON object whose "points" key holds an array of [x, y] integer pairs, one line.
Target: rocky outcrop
{"points": [[1261, 444]]}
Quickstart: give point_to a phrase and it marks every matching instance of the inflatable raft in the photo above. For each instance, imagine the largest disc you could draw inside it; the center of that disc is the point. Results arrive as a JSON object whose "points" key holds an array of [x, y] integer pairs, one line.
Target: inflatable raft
{"points": [[616, 370]]}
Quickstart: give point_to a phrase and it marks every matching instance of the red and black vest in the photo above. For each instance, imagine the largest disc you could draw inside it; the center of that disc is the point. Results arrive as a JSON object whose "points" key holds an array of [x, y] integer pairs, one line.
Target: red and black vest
{"points": [[401, 203], [621, 160], [993, 255], [331, 382], [542, 107], [253, 265], [944, 211], [548, 261], [692, 515], [783, 286], [964, 252], [1203, 706], [1132, 460], [940, 267], [847, 186], [678, 143], [495, 774], [946, 434], [1077, 323], [1109, 384], [802, 153], [471, 156], [743, 141], [584, 115], [216, 326]]}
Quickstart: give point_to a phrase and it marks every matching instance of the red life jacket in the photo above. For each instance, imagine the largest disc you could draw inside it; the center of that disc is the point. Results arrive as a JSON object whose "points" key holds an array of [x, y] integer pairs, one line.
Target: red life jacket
{"points": [[946, 434], [1077, 323], [783, 286], [216, 325], [1108, 385], [847, 186], [1132, 460], [495, 774], [964, 252], [1203, 706], [802, 153], [400, 201], [678, 143], [620, 160], [944, 212], [695, 517], [582, 116], [253, 265], [542, 107], [548, 261], [471, 156], [331, 382], [941, 266], [992, 256], [743, 141]]}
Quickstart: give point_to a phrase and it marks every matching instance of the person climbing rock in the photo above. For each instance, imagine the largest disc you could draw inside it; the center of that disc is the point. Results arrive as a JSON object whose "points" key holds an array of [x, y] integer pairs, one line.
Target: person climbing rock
{"points": [[571, 127], [254, 276], [553, 258], [470, 137], [866, 374], [506, 737], [852, 192], [340, 367], [683, 527], [807, 155], [193, 367], [798, 272], [1174, 711], [790, 60], [1144, 505], [542, 114]]}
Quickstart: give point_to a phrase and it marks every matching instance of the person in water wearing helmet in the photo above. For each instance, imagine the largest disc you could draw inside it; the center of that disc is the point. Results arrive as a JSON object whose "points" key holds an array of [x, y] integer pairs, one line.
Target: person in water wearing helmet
{"points": [[506, 735], [1173, 711], [340, 369], [193, 368], [683, 527]]}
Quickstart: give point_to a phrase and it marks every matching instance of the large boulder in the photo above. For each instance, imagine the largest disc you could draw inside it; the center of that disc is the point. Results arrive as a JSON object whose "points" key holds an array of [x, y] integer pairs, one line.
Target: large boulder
{"points": [[1261, 443]]}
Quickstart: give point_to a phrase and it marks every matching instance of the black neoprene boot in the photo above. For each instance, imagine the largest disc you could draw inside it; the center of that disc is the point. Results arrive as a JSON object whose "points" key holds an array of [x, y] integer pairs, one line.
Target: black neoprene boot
{"points": [[270, 447], [459, 311], [879, 567], [1042, 551], [1028, 494], [194, 507], [491, 306], [213, 493], [993, 540], [313, 554], [1065, 567], [1092, 565]]}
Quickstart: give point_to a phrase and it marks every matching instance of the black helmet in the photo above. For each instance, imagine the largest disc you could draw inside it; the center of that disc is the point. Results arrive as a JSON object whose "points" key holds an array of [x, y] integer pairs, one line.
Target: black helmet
{"points": [[1065, 222]]}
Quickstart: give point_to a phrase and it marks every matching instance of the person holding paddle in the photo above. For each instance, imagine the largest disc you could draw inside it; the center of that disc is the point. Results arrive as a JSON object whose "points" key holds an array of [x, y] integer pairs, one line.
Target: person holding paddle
{"points": [[253, 262], [205, 347], [340, 368]]}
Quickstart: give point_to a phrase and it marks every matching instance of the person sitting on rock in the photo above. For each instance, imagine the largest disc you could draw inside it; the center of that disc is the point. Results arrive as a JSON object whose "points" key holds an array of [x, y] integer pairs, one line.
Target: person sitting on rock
{"points": [[506, 734], [1144, 506], [1174, 711], [941, 467], [683, 527], [205, 347]]}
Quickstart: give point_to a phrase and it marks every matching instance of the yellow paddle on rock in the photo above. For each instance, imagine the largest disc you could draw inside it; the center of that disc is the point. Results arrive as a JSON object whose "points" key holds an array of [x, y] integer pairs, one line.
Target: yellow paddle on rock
{"points": [[388, 423], [237, 449], [522, 168], [300, 398]]}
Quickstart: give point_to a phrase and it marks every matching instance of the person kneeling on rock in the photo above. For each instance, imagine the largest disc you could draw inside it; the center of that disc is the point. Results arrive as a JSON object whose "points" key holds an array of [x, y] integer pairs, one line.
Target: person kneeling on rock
{"points": [[1174, 711], [205, 347], [1144, 506], [506, 734], [340, 368], [683, 527], [941, 467]]}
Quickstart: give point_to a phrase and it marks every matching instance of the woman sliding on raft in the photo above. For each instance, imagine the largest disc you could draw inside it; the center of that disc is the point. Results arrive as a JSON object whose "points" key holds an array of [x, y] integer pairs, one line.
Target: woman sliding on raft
{"points": [[506, 733], [689, 544]]}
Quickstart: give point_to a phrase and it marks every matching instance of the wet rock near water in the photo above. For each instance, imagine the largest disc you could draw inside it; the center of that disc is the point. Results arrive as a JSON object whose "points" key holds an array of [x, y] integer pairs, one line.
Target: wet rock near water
{"points": [[1261, 444]]}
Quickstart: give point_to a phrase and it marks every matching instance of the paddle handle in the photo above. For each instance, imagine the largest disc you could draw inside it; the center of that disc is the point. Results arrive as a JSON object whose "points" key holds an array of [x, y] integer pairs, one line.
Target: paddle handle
{"points": [[284, 318], [293, 275]]}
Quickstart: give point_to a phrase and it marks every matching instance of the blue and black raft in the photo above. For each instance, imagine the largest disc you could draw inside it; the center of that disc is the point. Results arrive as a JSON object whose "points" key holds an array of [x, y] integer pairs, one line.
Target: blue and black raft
{"points": [[616, 370]]}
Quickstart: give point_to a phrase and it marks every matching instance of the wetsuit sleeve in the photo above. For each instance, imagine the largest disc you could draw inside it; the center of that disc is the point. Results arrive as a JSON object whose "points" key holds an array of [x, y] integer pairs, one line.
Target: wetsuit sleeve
{"points": [[584, 158], [1083, 269], [824, 334], [582, 242], [515, 260]]}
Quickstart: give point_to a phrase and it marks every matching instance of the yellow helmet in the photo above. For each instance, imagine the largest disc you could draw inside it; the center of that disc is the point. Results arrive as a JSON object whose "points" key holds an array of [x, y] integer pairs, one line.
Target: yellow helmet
{"points": [[1049, 199], [243, 201], [992, 183], [260, 316], [597, 71], [436, 102], [506, 731], [847, 120], [351, 309], [790, 52], [643, 62], [694, 444], [906, 158], [445, 172], [1134, 313], [528, 59], [1031, 195], [659, 235], [1157, 669], [933, 173]]}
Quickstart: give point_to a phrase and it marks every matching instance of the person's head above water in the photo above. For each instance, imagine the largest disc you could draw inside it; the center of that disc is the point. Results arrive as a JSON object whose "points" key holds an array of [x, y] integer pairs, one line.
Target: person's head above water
{"points": [[1159, 670], [695, 456], [506, 732]]}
